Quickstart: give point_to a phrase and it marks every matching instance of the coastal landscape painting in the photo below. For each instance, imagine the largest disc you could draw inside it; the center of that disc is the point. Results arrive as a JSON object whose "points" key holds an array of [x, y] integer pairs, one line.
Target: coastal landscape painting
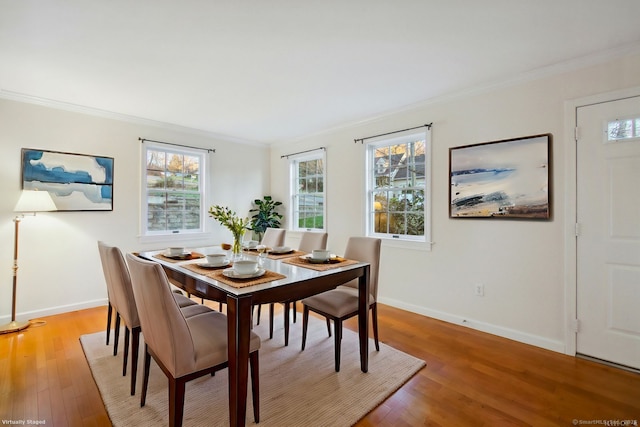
{"points": [[501, 179], [76, 182]]}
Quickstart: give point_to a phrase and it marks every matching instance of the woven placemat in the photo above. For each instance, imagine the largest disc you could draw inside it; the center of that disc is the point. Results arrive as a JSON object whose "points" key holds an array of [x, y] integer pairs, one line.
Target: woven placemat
{"points": [[188, 257], [202, 270], [286, 255], [268, 276], [335, 263]]}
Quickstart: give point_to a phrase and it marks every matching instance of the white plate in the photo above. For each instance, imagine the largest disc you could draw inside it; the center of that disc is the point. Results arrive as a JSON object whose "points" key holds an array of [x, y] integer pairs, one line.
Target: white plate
{"points": [[281, 250], [231, 273], [208, 265], [182, 255]]}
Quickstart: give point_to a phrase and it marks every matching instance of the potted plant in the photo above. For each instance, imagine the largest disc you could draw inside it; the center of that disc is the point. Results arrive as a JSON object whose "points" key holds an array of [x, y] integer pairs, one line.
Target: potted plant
{"points": [[265, 215]]}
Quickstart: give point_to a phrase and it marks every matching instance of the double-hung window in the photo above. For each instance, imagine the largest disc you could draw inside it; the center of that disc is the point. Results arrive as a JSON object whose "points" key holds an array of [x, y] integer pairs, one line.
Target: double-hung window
{"points": [[398, 187], [173, 194], [307, 177]]}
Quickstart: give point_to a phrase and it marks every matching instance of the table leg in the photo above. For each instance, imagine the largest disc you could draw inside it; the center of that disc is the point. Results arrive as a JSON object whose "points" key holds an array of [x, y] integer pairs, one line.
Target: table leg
{"points": [[238, 330], [363, 318]]}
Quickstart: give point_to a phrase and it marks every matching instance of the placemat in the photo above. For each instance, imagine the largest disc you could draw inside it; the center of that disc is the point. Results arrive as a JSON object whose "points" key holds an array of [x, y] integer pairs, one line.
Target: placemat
{"points": [[204, 271], [287, 255], [301, 262], [243, 283], [192, 255]]}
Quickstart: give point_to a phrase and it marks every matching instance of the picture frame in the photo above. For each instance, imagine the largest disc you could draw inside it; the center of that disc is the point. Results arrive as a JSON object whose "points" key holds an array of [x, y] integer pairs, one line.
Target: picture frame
{"points": [[501, 179], [76, 182]]}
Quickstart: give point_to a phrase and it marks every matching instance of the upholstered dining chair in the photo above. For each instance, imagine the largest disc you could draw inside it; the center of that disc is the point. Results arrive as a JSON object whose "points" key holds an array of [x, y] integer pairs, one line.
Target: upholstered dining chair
{"points": [[184, 348], [309, 241], [121, 298], [273, 237], [342, 303]]}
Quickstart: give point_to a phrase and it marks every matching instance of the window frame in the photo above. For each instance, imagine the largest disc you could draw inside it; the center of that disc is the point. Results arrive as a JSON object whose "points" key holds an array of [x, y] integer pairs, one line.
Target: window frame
{"points": [[147, 235], [293, 189], [421, 242]]}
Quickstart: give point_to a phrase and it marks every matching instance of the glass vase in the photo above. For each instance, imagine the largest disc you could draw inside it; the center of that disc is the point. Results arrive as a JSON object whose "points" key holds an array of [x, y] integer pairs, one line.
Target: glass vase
{"points": [[236, 249]]}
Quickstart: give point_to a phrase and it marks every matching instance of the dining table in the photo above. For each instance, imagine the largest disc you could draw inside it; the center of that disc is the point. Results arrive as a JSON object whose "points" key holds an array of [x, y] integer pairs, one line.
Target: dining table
{"points": [[285, 279]]}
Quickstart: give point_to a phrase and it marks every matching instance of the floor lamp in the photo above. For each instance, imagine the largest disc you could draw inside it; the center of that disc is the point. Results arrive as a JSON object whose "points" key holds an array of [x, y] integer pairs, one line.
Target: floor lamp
{"points": [[31, 201]]}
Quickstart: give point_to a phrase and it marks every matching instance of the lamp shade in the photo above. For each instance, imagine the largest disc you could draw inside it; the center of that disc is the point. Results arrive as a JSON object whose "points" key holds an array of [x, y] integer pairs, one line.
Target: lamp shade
{"points": [[35, 201]]}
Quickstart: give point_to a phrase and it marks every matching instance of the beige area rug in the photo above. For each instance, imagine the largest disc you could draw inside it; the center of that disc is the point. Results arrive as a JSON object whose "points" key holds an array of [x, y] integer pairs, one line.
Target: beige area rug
{"points": [[297, 388]]}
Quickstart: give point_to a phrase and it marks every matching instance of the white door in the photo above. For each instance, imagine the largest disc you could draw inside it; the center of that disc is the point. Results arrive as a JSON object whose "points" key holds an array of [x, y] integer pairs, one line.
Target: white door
{"points": [[608, 242]]}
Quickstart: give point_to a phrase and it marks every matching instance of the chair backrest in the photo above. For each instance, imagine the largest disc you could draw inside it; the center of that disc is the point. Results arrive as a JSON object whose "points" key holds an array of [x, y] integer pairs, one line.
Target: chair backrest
{"points": [[311, 240], [163, 325], [118, 280], [273, 237], [365, 249]]}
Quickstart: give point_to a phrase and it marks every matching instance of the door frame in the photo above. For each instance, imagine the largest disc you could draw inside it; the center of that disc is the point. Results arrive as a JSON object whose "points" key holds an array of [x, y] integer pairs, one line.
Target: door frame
{"points": [[571, 208]]}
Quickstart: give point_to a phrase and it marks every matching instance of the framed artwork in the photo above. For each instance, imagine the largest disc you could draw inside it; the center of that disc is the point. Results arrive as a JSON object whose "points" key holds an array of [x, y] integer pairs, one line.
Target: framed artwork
{"points": [[76, 182], [501, 179]]}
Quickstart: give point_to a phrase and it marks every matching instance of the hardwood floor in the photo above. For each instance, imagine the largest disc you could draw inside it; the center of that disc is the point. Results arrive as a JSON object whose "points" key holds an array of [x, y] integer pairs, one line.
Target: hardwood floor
{"points": [[471, 378]]}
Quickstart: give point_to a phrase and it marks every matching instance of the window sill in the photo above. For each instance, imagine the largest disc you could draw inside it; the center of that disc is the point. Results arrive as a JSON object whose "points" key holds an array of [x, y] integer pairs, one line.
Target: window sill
{"points": [[407, 244], [175, 237]]}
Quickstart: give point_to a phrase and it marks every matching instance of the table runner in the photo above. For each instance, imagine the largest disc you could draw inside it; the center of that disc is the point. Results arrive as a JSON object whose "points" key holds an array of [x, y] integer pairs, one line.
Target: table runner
{"points": [[301, 262]]}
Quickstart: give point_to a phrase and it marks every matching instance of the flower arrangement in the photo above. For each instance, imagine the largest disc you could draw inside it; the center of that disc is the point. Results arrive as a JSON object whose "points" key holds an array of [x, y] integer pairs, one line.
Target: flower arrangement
{"points": [[236, 224]]}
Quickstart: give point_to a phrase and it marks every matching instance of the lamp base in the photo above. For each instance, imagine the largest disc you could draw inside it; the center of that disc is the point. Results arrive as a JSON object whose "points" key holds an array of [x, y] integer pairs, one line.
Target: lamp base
{"points": [[13, 327]]}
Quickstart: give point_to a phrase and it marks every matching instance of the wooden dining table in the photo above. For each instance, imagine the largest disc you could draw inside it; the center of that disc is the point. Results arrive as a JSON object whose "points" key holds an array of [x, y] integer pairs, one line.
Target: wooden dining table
{"points": [[293, 282]]}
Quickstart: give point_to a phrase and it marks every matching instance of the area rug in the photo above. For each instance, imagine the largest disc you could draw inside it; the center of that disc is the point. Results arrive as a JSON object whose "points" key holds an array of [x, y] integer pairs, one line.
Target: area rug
{"points": [[297, 388]]}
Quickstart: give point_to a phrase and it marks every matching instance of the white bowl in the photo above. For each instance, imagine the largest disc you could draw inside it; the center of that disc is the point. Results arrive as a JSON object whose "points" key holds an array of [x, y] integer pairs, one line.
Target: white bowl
{"points": [[320, 254], [216, 259], [281, 249], [174, 251], [245, 266]]}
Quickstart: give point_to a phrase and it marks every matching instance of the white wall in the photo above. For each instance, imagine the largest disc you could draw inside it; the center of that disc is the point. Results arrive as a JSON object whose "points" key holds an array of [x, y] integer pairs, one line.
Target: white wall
{"points": [[520, 263], [59, 267]]}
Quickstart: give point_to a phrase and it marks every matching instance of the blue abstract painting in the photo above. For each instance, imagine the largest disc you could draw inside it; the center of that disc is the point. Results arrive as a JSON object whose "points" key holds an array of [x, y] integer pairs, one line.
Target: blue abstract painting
{"points": [[76, 182], [507, 179]]}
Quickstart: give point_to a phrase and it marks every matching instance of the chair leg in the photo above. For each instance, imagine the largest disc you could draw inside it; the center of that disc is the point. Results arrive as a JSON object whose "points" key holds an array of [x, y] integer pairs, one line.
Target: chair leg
{"points": [[134, 358], [305, 322], [329, 326], [145, 376], [295, 310], [337, 325], [220, 307], [286, 323], [127, 334], [116, 334], [271, 308], [374, 322], [176, 401], [259, 312], [255, 384], [109, 314]]}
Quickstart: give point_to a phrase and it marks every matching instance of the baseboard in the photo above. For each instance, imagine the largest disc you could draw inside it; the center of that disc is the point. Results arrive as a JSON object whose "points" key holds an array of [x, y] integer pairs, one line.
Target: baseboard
{"points": [[50, 311], [500, 331]]}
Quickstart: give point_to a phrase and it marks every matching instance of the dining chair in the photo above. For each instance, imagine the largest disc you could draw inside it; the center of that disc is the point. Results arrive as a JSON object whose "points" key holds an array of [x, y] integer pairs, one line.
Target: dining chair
{"points": [[273, 237], [309, 241], [184, 348], [342, 303], [121, 298]]}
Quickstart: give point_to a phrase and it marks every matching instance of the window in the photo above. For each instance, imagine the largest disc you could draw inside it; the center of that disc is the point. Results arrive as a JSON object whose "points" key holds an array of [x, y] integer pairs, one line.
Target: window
{"points": [[398, 187], [173, 190], [626, 129], [308, 192]]}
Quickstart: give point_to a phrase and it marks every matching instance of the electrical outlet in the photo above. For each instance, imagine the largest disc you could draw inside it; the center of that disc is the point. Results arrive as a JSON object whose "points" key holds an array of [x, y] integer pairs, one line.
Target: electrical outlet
{"points": [[479, 289]]}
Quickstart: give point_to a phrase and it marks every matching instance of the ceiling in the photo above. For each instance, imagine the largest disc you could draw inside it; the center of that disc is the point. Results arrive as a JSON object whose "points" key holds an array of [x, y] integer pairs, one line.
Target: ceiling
{"points": [[271, 71]]}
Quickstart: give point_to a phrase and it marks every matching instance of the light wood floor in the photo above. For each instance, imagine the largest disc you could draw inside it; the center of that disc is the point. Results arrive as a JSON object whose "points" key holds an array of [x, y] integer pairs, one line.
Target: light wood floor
{"points": [[471, 378]]}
